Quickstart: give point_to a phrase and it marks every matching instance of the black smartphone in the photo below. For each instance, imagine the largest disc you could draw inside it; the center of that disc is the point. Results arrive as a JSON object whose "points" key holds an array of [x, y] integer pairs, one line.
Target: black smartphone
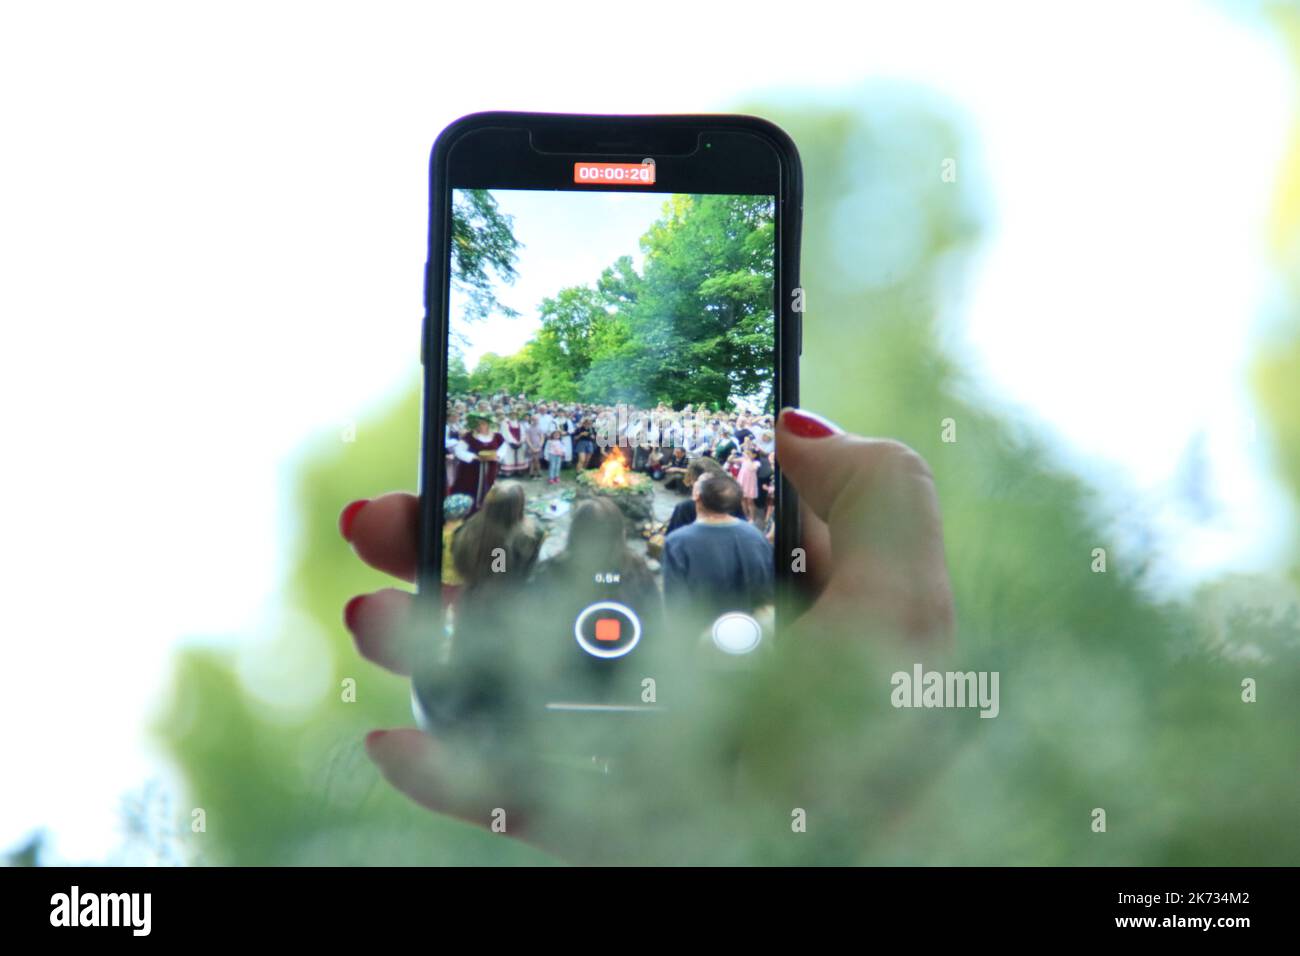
{"points": [[612, 326]]}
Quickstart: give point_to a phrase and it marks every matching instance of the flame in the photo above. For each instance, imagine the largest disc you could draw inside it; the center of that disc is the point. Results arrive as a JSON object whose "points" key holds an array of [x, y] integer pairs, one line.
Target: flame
{"points": [[613, 471]]}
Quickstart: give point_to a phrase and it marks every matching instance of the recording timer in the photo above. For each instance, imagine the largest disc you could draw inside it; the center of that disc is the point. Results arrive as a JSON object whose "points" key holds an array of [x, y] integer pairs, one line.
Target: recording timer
{"points": [[615, 174]]}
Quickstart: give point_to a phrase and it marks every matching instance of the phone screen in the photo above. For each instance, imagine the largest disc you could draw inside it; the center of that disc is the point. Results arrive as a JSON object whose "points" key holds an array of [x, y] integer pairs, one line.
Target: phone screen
{"points": [[609, 494]]}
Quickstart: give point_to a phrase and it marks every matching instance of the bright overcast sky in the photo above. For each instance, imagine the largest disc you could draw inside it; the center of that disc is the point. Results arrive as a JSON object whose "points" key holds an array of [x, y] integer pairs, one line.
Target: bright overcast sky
{"points": [[213, 222]]}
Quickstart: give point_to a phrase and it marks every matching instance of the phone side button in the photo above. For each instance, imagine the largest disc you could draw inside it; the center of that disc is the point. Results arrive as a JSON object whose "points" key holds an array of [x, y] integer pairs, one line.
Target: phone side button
{"points": [[424, 327]]}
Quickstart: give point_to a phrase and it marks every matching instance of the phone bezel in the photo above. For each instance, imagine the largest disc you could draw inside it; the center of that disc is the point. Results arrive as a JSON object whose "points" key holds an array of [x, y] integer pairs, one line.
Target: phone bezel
{"points": [[749, 155]]}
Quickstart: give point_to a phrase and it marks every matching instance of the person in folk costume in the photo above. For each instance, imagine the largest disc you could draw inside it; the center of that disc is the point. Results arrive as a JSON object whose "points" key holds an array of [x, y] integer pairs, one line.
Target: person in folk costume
{"points": [[565, 423], [514, 454], [477, 456], [451, 437]]}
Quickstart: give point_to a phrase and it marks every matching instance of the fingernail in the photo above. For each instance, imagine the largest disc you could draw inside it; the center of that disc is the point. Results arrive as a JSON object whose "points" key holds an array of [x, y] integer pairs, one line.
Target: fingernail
{"points": [[350, 612], [806, 424], [374, 737], [349, 515]]}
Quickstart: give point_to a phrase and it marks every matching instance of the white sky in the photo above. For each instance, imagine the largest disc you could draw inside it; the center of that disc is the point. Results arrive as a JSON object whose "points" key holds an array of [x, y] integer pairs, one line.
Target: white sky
{"points": [[213, 223]]}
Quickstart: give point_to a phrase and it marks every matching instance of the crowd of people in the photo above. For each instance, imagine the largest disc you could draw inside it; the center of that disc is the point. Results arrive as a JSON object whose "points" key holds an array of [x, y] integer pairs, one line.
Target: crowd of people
{"points": [[716, 551], [488, 438]]}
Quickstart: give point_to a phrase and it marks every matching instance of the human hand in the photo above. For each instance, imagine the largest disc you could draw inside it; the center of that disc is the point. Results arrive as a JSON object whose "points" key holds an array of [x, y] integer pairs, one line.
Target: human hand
{"points": [[871, 528], [873, 538]]}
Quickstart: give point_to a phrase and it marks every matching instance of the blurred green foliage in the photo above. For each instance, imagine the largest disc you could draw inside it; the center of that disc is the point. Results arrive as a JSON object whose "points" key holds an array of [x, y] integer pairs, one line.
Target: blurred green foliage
{"points": [[1109, 699]]}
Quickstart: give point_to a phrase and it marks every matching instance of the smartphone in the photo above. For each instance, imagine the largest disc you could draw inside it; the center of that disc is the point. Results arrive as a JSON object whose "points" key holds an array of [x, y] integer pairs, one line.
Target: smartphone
{"points": [[612, 325]]}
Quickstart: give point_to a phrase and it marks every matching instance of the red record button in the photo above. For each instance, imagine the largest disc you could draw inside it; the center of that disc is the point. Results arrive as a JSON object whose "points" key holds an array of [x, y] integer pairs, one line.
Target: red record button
{"points": [[607, 629]]}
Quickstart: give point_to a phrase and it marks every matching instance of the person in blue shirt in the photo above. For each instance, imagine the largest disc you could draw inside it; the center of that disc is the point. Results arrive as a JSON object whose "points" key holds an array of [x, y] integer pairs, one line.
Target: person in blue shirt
{"points": [[684, 513], [717, 563]]}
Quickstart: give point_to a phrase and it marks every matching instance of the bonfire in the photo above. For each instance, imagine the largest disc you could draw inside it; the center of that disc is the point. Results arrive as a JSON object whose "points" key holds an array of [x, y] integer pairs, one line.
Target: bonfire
{"points": [[632, 492], [614, 473]]}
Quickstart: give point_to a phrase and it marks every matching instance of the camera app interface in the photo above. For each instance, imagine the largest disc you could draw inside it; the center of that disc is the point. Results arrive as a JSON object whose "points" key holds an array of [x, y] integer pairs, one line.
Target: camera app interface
{"points": [[609, 450]]}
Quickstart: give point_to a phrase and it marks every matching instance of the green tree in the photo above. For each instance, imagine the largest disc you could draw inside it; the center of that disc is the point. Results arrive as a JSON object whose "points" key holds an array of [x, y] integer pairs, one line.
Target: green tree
{"points": [[458, 379], [482, 243], [705, 317], [696, 327], [571, 322]]}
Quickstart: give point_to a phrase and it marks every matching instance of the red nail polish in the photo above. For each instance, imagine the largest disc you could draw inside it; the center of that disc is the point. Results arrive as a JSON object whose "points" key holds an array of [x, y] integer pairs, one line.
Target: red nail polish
{"points": [[374, 736], [349, 515], [350, 612], [806, 425]]}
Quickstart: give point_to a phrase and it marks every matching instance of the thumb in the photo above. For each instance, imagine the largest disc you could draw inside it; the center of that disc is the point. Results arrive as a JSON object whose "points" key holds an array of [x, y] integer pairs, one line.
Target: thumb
{"points": [[878, 500]]}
